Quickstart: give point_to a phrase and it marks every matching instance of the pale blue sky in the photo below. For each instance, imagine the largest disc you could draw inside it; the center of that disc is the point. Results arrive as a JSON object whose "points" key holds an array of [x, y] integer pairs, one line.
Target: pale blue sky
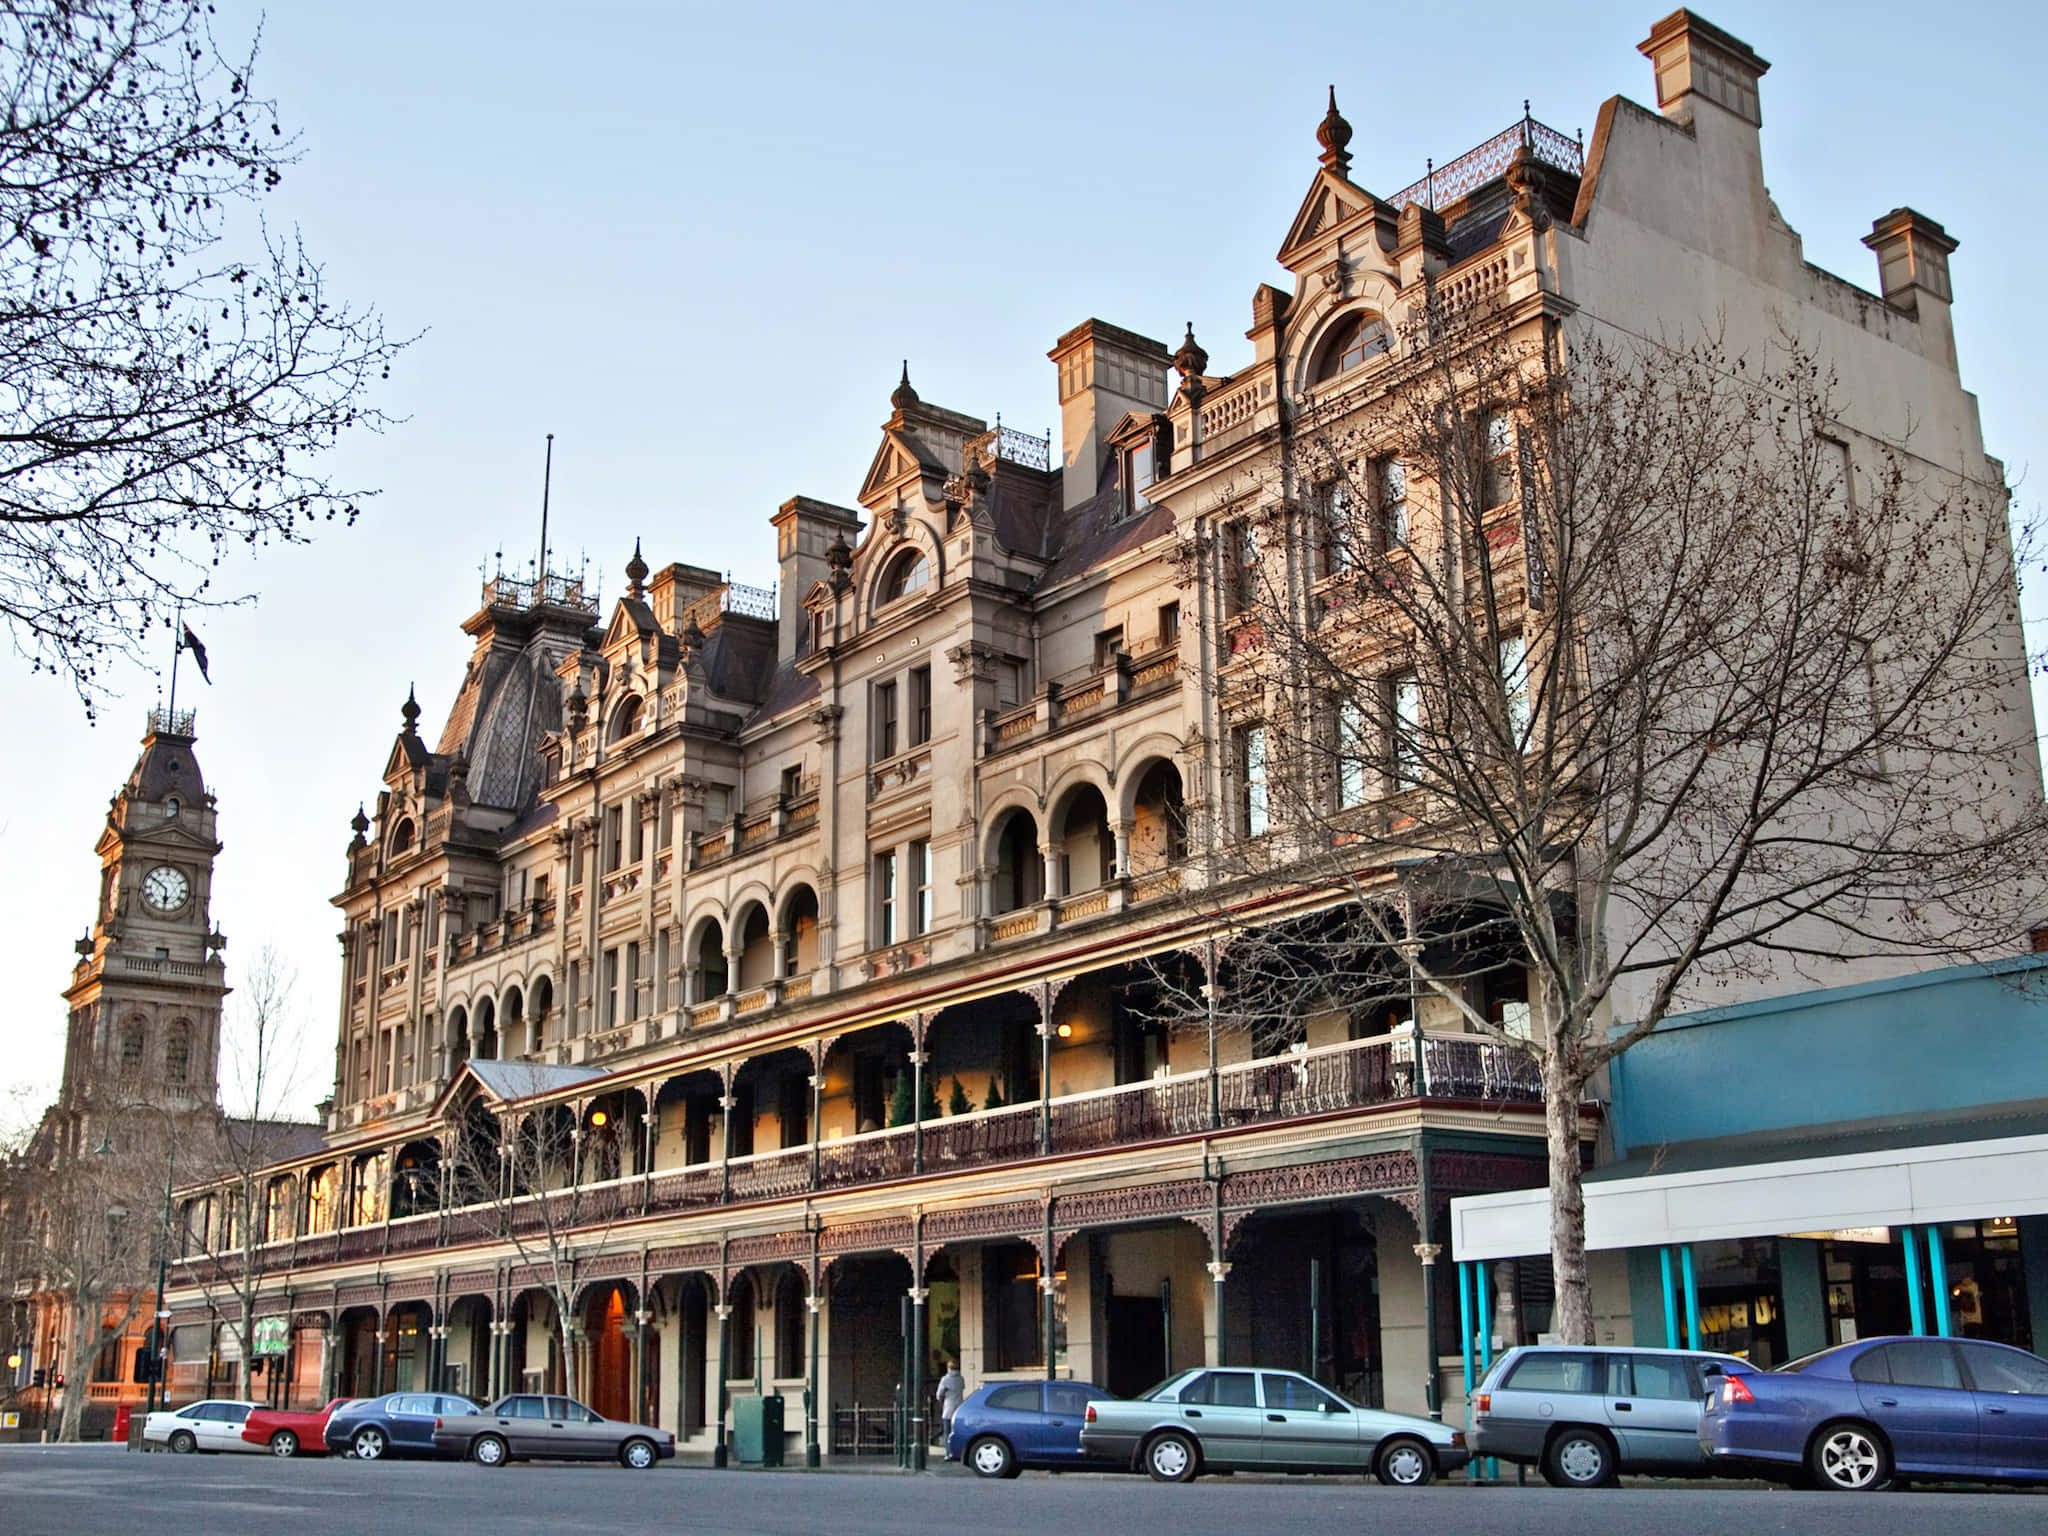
{"points": [[695, 241]]}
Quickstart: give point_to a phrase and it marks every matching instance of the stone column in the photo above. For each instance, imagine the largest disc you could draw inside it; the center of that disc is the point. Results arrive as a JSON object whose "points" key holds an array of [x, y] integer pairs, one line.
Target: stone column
{"points": [[1212, 1313]]}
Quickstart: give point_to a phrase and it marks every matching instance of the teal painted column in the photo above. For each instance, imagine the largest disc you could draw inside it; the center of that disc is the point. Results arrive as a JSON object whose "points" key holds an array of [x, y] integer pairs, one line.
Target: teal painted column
{"points": [[1910, 1236], [1802, 1286], [2034, 1268], [1937, 1278], [1465, 1329], [1692, 1299], [1670, 1300]]}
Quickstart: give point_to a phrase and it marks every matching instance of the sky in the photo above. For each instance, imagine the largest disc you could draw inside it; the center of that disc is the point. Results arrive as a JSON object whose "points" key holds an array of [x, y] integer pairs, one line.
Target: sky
{"points": [[697, 242]]}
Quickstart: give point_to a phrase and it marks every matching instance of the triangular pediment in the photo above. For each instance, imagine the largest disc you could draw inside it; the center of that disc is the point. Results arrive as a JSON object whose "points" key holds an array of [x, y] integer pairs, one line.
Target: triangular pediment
{"points": [[1333, 205], [630, 620], [408, 753], [819, 596], [893, 460]]}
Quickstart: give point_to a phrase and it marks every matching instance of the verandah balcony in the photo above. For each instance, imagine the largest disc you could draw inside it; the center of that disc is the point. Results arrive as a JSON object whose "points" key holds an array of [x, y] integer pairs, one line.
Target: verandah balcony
{"points": [[1294, 1086]]}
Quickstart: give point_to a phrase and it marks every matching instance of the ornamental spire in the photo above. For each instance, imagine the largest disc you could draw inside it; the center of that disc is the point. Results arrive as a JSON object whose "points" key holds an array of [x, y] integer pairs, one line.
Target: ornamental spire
{"points": [[1333, 133]]}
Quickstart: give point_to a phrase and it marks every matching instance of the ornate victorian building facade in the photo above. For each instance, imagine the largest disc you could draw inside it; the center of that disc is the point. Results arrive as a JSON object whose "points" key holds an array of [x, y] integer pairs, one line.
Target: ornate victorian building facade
{"points": [[810, 943]]}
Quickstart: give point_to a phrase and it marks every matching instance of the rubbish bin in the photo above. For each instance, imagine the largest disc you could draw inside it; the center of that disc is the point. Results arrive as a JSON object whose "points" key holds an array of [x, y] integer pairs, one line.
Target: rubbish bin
{"points": [[757, 1431], [120, 1434]]}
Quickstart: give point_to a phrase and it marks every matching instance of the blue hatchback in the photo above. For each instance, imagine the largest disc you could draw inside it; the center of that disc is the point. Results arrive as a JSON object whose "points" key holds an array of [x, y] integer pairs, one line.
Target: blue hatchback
{"points": [[396, 1424], [1003, 1428], [1859, 1416]]}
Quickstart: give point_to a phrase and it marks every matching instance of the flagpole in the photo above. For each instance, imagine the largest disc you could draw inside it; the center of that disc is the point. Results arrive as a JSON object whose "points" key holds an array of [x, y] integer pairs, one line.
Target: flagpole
{"points": [[177, 650]]}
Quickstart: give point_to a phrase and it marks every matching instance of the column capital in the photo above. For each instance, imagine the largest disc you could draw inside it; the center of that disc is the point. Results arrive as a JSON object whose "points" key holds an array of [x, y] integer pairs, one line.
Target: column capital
{"points": [[1219, 1270], [1427, 1252], [918, 1294], [724, 1311]]}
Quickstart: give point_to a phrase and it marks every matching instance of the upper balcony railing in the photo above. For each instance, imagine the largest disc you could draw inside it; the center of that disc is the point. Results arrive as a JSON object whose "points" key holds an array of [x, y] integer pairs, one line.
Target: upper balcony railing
{"points": [[1403, 1068], [1489, 162], [502, 591], [1011, 446]]}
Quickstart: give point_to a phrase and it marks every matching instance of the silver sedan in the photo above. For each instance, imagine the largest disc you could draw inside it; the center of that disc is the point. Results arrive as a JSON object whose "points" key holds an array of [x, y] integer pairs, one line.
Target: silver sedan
{"points": [[1224, 1420]]}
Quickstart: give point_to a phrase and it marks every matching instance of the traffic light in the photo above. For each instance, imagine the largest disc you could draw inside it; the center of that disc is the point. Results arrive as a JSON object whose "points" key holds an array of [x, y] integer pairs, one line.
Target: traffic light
{"points": [[41, 1378], [56, 1378]]}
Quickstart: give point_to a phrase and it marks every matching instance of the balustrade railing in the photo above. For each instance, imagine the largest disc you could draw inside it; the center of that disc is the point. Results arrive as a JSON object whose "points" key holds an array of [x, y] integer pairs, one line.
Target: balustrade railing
{"points": [[1295, 1084]]}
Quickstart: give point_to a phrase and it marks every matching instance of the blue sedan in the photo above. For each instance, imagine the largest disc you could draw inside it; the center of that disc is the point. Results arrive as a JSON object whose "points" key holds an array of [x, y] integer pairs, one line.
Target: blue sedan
{"points": [[1861, 1416], [1003, 1428], [396, 1424]]}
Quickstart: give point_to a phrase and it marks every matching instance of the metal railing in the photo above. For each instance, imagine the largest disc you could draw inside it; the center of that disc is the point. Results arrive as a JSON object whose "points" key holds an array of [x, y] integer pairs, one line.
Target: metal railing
{"points": [[1294, 1084], [1450, 181]]}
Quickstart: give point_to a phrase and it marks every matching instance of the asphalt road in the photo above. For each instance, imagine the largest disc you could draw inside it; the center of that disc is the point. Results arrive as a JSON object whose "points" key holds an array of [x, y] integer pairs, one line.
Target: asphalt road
{"points": [[79, 1490]]}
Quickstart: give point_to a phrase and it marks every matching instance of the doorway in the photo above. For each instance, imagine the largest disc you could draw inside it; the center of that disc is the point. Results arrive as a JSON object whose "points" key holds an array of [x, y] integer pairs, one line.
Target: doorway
{"points": [[1137, 1343]]}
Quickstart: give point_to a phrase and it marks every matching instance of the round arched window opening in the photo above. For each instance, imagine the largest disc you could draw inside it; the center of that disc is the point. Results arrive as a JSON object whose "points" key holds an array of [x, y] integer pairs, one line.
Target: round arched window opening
{"points": [[401, 840], [1354, 340], [910, 574], [171, 809], [626, 719]]}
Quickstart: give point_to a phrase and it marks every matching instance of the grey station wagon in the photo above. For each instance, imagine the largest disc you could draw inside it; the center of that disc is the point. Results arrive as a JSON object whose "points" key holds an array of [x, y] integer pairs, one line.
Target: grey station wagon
{"points": [[1585, 1415]]}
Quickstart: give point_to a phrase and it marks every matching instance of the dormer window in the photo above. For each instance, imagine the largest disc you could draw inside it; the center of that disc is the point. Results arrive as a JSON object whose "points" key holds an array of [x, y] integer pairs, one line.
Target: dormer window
{"points": [[171, 809], [1139, 474], [1354, 340], [626, 718], [907, 576], [401, 839]]}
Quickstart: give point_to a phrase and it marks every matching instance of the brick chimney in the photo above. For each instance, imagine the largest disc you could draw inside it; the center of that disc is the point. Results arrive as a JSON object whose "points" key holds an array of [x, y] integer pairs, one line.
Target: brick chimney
{"points": [[1912, 274], [1104, 372], [1696, 61]]}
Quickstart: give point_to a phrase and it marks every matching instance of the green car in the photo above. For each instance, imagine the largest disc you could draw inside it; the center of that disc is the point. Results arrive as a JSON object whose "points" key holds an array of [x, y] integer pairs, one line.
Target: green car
{"points": [[1226, 1420]]}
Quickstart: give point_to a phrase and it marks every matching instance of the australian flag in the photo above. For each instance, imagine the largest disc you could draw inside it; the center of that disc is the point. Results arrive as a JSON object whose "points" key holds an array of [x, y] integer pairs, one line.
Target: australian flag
{"points": [[191, 643]]}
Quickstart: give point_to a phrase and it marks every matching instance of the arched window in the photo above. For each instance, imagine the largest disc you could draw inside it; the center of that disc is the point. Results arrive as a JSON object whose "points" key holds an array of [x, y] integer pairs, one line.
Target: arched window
{"points": [[171, 809], [178, 1052], [133, 1039], [908, 575], [1353, 340], [401, 839], [625, 719]]}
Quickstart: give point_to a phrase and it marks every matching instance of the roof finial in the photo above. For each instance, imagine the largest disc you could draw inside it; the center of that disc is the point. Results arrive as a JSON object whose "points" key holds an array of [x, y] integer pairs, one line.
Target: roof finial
{"points": [[1191, 360], [904, 397], [1333, 133], [636, 572], [409, 711]]}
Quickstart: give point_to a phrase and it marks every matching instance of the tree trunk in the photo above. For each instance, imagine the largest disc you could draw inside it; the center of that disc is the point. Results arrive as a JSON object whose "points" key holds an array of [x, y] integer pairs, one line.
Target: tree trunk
{"points": [[1572, 1321], [83, 1345]]}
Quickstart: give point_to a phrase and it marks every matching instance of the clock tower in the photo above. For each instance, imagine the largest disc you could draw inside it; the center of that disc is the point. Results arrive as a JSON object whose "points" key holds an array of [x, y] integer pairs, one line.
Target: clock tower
{"points": [[146, 997]]}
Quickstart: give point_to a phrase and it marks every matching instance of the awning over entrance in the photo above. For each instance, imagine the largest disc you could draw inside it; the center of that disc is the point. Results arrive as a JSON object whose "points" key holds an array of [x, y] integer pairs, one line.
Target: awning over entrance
{"points": [[1898, 1186]]}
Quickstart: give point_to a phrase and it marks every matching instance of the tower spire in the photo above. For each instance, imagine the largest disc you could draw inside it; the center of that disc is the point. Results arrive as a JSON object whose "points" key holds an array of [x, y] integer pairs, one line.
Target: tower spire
{"points": [[1333, 133]]}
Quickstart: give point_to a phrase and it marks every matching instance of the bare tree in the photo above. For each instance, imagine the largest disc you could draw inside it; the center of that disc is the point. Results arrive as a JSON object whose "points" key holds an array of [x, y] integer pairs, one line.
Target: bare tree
{"points": [[1608, 665], [170, 369], [523, 1178], [261, 1058], [81, 1210]]}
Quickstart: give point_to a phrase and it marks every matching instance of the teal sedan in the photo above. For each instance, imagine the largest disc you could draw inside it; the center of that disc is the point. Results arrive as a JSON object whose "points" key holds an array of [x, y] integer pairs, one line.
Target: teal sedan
{"points": [[1222, 1420]]}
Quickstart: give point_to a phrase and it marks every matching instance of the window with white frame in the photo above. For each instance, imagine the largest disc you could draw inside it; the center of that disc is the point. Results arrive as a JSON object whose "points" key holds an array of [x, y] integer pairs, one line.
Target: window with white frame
{"points": [[1255, 809], [1354, 752], [920, 887], [1497, 450], [1404, 728], [611, 988], [885, 898], [1138, 477], [1340, 527], [1514, 682]]}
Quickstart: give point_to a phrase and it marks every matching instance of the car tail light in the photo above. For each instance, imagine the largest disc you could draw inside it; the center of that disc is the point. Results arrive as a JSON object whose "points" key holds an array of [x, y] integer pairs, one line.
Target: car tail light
{"points": [[437, 1421], [1735, 1390], [1483, 1403], [1089, 1416]]}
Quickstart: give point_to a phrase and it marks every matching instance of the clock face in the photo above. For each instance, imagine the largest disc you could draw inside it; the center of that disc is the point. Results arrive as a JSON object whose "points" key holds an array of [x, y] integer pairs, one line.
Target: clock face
{"points": [[166, 889]]}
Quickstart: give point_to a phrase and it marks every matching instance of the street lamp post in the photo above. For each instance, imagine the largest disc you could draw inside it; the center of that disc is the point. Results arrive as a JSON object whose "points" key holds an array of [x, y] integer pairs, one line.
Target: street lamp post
{"points": [[160, 1343]]}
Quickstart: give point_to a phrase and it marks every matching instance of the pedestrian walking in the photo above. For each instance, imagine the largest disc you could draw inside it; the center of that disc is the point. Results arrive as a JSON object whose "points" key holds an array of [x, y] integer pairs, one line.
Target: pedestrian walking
{"points": [[952, 1389]]}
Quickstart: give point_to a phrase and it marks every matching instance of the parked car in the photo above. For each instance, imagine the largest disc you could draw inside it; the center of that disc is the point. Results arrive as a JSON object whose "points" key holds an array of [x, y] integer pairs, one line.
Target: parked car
{"points": [[396, 1424], [1862, 1416], [529, 1427], [212, 1425], [289, 1434], [1584, 1415], [1206, 1420], [1001, 1429]]}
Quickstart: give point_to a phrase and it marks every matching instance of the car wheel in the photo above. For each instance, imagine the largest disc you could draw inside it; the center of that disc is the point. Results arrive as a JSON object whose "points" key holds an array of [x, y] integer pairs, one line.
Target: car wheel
{"points": [[1172, 1458], [489, 1451], [637, 1454], [369, 1443], [991, 1456], [183, 1443], [1579, 1458], [1404, 1463], [284, 1443], [1849, 1458]]}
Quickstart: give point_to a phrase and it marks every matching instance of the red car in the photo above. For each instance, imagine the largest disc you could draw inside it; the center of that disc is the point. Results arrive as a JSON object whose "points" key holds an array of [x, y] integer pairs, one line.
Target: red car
{"points": [[289, 1434]]}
